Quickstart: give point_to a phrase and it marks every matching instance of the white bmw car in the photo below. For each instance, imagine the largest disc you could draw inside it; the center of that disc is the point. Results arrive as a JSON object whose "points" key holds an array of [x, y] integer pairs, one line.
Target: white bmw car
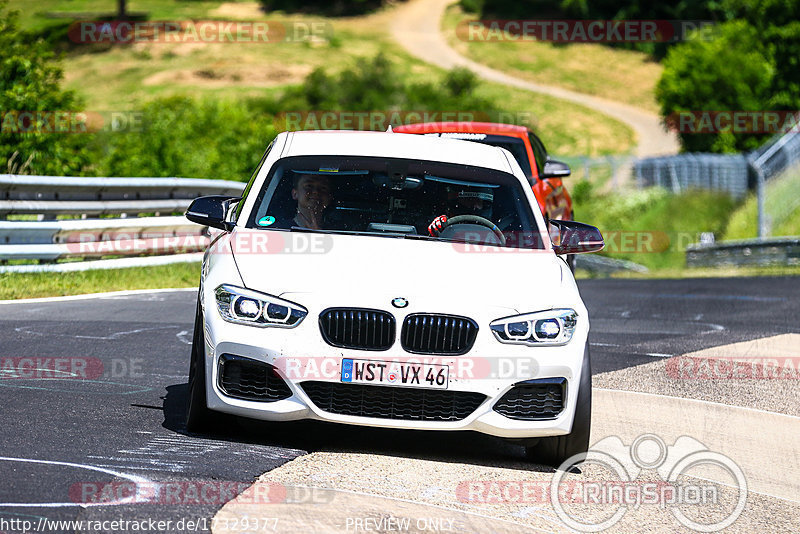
{"points": [[397, 281]]}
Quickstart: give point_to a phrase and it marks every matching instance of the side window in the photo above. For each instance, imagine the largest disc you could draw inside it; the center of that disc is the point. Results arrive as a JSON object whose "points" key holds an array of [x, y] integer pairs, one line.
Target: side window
{"points": [[246, 191], [539, 153]]}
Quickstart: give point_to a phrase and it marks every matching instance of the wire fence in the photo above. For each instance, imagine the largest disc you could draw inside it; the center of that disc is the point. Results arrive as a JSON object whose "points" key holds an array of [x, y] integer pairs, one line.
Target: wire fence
{"points": [[609, 171], [719, 172], [735, 174]]}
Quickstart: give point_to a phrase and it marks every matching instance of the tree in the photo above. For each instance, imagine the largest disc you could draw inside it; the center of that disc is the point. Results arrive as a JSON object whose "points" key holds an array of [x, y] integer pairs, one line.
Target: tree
{"points": [[732, 72], [30, 94]]}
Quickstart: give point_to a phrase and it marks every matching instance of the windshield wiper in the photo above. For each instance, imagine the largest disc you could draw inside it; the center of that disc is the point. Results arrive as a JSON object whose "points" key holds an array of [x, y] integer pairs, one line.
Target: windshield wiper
{"points": [[422, 237], [342, 232]]}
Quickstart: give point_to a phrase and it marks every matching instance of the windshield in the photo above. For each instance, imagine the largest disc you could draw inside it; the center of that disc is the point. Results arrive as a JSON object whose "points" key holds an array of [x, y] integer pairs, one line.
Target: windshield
{"points": [[395, 198]]}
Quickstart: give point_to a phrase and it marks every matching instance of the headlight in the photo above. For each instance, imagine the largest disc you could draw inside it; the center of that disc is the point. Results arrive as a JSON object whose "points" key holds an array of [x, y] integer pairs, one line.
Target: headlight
{"points": [[243, 306], [551, 327]]}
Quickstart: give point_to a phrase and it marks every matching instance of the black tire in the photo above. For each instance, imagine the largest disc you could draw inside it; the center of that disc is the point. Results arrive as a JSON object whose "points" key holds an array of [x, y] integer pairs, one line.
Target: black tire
{"points": [[571, 262], [199, 418], [556, 449]]}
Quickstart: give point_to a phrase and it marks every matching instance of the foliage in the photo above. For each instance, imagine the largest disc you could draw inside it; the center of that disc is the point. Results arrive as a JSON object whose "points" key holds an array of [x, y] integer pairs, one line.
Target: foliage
{"points": [[753, 64], [30, 82], [190, 138], [701, 10], [225, 139], [732, 71], [333, 8], [376, 85], [652, 216]]}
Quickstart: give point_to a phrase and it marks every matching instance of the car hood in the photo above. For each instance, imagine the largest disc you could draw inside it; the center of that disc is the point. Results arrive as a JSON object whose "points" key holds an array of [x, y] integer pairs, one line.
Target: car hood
{"points": [[368, 271]]}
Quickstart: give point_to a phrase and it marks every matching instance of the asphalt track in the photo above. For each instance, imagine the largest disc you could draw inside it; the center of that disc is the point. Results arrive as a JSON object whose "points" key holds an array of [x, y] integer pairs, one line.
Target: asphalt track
{"points": [[62, 437]]}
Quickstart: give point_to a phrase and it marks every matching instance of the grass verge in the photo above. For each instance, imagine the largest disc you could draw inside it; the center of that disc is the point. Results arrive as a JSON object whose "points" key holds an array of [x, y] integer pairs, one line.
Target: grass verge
{"points": [[621, 75], [651, 227], [782, 207], [124, 78], [680, 273], [32, 285]]}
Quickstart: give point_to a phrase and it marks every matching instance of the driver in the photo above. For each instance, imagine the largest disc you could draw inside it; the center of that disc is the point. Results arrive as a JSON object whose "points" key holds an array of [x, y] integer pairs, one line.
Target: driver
{"points": [[313, 195], [464, 201]]}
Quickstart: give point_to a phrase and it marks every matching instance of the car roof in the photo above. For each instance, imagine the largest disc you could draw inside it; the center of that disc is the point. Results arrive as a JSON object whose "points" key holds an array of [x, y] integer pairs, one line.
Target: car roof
{"points": [[394, 145], [494, 128]]}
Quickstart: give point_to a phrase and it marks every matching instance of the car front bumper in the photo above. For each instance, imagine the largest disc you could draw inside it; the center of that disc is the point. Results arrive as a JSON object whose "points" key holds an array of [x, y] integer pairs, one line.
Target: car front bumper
{"points": [[300, 354]]}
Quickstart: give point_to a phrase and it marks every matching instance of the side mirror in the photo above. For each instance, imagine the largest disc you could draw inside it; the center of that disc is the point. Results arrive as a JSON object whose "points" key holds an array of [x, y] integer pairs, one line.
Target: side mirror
{"points": [[211, 211], [576, 238], [555, 169]]}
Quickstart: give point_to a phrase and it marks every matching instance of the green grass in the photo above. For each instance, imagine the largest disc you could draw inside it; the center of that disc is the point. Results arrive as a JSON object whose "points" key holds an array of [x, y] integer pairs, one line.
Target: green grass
{"points": [[782, 207], [39, 14], [31, 285], [681, 273], [125, 77], [621, 75], [651, 227]]}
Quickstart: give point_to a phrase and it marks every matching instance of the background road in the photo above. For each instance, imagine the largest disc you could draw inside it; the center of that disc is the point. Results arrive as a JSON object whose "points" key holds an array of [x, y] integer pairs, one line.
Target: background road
{"points": [[416, 25], [128, 420]]}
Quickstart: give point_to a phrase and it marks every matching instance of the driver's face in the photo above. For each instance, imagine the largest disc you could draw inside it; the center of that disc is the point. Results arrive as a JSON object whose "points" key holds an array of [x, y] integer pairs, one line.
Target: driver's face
{"points": [[313, 193], [471, 203]]}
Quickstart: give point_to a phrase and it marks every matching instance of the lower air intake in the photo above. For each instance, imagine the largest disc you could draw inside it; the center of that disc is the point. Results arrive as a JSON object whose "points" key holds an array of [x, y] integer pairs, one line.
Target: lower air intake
{"points": [[534, 399], [243, 378], [385, 402]]}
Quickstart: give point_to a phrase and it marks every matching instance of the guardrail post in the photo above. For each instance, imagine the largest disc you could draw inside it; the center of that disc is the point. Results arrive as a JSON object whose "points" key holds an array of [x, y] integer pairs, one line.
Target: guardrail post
{"points": [[762, 223]]}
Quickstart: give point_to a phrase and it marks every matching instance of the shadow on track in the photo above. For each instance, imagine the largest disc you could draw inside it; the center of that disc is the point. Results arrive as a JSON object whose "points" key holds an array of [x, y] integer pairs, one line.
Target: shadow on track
{"points": [[313, 436]]}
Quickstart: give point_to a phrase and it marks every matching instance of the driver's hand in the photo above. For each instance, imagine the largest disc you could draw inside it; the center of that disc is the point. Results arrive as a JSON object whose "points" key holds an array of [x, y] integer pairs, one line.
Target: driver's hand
{"points": [[435, 228]]}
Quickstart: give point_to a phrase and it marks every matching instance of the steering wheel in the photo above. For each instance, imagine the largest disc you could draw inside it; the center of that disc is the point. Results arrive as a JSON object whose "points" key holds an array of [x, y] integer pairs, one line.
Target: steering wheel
{"points": [[475, 219]]}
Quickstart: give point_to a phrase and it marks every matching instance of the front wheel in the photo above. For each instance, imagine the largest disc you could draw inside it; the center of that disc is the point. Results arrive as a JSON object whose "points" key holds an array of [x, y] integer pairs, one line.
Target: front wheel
{"points": [[554, 450], [571, 262], [198, 417]]}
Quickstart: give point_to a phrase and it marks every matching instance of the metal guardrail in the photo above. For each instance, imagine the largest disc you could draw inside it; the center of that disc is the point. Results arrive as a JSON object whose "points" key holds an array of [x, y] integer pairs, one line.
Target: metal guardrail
{"points": [[605, 265], [749, 252], [82, 230], [117, 263], [56, 195], [49, 240]]}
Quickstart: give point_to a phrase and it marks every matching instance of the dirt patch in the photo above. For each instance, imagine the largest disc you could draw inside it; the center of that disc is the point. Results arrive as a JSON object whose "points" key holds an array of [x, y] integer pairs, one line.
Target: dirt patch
{"points": [[263, 76], [239, 10], [185, 49]]}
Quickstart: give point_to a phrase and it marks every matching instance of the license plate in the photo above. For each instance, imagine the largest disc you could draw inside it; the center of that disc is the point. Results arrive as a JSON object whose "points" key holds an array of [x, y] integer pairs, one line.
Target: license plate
{"points": [[405, 374]]}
